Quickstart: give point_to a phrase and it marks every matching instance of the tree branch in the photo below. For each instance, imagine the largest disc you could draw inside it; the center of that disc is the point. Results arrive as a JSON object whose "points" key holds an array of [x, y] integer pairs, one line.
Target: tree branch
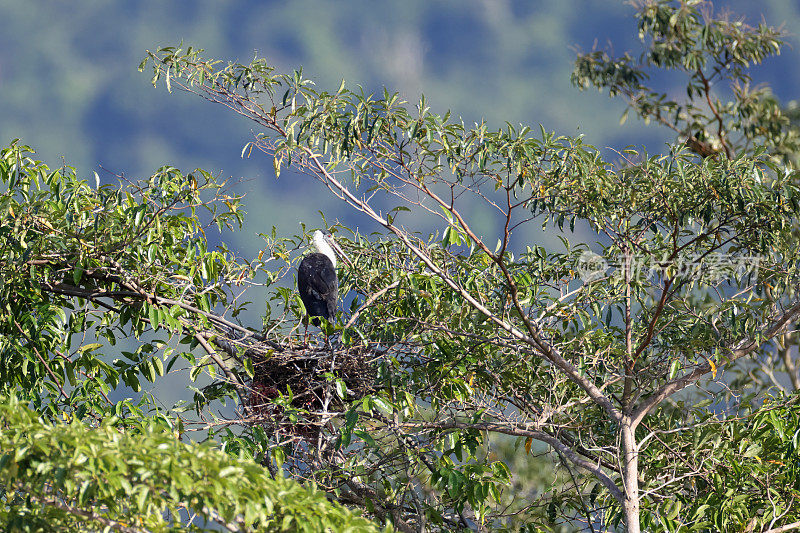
{"points": [[561, 448], [83, 513], [741, 349], [782, 529], [532, 339]]}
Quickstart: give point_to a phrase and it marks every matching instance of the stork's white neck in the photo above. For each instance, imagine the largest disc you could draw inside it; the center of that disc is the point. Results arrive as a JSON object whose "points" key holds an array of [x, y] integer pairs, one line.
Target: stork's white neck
{"points": [[323, 247]]}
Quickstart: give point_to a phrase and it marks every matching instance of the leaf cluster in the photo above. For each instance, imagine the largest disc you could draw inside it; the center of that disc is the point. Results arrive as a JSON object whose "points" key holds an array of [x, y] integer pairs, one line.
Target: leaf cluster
{"points": [[723, 110], [83, 267], [738, 473], [60, 476]]}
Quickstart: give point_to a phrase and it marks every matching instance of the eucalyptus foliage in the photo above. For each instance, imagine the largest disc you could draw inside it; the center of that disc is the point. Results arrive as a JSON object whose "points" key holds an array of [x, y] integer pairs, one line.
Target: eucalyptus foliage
{"points": [[724, 110], [89, 275], [67, 477], [480, 339], [111, 262]]}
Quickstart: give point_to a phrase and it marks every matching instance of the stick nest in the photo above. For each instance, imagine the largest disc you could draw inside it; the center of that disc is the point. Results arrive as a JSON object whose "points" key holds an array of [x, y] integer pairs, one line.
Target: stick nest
{"points": [[303, 378]]}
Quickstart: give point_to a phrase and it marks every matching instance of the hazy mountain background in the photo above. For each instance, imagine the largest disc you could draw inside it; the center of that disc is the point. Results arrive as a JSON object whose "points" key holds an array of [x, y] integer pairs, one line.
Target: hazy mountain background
{"points": [[69, 84], [70, 88]]}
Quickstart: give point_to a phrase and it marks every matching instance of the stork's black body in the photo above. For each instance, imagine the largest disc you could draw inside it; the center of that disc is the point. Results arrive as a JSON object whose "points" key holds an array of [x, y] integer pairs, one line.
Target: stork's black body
{"points": [[316, 279], [318, 286]]}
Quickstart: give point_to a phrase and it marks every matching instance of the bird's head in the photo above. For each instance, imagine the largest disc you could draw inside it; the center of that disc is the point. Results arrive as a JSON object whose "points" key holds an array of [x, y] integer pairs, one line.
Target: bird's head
{"points": [[325, 244]]}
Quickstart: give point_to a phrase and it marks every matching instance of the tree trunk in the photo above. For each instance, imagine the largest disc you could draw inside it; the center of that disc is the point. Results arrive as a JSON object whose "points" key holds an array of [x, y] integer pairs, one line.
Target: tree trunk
{"points": [[630, 478]]}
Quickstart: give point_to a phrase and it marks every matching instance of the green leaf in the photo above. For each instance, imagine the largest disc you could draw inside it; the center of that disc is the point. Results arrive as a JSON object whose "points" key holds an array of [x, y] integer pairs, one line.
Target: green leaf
{"points": [[341, 389], [77, 274], [92, 346]]}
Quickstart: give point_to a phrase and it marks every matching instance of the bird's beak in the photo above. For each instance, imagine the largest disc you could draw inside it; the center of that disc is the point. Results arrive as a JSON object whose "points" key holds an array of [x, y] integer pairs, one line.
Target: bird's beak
{"points": [[341, 253]]}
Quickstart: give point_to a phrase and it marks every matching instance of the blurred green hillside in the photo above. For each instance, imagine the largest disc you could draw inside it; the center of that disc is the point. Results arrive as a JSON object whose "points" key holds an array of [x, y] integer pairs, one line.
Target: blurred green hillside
{"points": [[70, 88]]}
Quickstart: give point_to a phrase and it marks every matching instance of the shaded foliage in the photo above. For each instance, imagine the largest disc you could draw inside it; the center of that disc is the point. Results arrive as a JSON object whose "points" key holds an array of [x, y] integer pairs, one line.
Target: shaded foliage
{"points": [[69, 477]]}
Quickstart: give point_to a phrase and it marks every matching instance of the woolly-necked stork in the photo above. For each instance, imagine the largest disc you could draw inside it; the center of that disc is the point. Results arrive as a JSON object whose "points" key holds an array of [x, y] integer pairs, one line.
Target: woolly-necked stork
{"points": [[316, 278]]}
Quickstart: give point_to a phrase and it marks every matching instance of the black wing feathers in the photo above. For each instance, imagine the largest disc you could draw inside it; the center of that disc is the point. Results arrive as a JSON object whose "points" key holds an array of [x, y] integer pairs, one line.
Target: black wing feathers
{"points": [[319, 288]]}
